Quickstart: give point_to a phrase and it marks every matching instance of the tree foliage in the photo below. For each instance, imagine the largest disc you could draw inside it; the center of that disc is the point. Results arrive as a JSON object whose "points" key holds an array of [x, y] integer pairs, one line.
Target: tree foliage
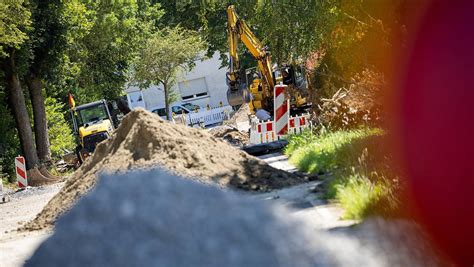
{"points": [[292, 30], [120, 28], [82, 46], [14, 19], [166, 55], [103, 40], [60, 134], [9, 143]]}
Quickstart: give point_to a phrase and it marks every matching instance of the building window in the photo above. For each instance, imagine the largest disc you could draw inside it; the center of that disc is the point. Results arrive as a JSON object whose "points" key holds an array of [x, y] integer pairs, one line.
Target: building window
{"points": [[193, 88]]}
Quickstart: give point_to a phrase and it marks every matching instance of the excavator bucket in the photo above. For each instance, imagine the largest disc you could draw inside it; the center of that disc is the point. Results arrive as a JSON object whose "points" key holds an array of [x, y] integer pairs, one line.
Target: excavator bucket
{"points": [[239, 96]]}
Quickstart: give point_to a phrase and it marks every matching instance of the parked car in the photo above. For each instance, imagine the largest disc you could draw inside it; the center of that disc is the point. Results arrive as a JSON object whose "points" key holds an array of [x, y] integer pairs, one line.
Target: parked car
{"points": [[177, 109], [191, 106]]}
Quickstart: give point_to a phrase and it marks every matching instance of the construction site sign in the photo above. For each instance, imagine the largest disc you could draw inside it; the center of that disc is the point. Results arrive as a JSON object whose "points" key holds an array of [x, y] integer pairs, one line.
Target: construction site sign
{"points": [[21, 175], [281, 109]]}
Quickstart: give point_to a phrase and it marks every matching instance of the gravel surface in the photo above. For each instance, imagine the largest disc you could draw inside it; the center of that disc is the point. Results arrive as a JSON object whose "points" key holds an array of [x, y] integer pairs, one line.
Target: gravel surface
{"points": [[16, 247], [32, 191], [24, 205], [157, 219]]}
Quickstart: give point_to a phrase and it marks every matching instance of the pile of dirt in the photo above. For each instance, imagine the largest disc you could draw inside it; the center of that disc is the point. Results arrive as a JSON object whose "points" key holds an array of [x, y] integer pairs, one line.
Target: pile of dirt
{"points": [[241, 115], [143, 141], [231, 135]]}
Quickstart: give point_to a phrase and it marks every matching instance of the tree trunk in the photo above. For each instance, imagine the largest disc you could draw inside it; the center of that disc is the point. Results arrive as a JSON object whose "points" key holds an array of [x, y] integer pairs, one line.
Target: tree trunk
{"points": [[20, 112], [167, 104], [35, 87]]}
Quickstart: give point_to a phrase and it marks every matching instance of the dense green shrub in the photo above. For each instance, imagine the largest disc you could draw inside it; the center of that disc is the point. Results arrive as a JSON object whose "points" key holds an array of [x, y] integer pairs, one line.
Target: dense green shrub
{"points": [[60, 134], [361, 177], [9, 142]]}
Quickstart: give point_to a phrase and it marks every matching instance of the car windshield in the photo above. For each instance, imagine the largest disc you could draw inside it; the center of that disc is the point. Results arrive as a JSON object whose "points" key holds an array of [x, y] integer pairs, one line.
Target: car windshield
{"points": [[91, 114], [178, 110], [160, 112], [191, 106]]}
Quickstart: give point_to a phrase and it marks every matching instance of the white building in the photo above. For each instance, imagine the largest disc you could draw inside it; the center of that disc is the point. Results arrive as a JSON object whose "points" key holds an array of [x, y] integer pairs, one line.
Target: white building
{"points": [[204, 85]]}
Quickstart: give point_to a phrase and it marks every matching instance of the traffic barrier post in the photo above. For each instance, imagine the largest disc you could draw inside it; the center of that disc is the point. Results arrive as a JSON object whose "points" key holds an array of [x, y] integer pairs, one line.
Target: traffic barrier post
{"points": [[21, 176]]}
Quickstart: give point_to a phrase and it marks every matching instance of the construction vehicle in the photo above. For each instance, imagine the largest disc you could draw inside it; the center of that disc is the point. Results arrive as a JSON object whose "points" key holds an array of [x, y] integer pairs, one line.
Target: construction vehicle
{"points": [[259, 95], [92, 124]]}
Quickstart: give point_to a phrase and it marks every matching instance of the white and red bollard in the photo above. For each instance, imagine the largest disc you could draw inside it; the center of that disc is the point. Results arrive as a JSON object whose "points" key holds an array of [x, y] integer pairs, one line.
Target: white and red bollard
{"points": [[21, 176], [281, 109]]}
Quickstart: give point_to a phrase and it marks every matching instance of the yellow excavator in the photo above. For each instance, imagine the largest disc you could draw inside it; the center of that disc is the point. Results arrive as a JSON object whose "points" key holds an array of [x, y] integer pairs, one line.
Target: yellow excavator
{"points": [[259, 95], [92, 124]]}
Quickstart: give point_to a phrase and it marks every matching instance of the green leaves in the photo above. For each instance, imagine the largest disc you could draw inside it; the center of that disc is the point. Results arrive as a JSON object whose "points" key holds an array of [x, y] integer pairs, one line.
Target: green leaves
{"points": [[14, 21], [166, 55], [60, 135], [103, 39]]}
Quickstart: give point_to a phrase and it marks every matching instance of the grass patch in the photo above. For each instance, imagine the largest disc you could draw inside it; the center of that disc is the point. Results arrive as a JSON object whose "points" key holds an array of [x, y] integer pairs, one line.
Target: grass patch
{"points": [[361, 178]]}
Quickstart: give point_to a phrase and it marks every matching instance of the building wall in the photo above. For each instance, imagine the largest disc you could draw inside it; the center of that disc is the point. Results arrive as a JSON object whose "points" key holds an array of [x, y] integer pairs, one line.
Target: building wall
{"points": [[205, 84]]}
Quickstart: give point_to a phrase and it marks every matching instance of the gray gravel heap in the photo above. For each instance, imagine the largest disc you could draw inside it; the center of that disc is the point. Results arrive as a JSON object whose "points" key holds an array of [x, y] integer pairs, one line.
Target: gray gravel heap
{"points": [[154, 218]]}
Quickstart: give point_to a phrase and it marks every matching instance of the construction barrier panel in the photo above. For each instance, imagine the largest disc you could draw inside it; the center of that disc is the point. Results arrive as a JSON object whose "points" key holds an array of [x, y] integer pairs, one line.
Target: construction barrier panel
{"points": [[281, 109], [298, 123], [21, 176], [204, 117], [265, 131]]}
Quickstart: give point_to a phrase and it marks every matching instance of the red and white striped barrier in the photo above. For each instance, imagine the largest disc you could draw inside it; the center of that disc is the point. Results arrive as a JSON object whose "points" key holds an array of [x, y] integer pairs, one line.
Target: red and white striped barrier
{"points": [[281, 109], [264, 131], [21, 176], [298, 123]]}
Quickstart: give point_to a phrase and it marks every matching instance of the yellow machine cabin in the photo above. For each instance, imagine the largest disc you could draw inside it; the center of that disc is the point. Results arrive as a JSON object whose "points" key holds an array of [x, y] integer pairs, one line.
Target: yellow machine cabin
{"points": [[92, 123]]}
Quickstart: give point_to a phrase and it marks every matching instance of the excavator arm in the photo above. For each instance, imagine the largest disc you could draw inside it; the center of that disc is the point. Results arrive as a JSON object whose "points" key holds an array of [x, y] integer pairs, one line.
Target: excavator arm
{"points": [[238, 29]]}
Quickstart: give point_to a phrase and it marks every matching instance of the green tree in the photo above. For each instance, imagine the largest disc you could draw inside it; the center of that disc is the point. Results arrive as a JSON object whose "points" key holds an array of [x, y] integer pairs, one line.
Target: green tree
{"points": [[99, 36], [15, 22], [46, 42], [60, 134], [292, 30], [206, 17], [99, 62], [166, 55], [14, 19], [9, 144]]}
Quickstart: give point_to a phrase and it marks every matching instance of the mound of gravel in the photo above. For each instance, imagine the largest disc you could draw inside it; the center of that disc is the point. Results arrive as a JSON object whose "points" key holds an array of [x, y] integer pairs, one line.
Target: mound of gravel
{"points": [[143, 140], [153, 218], [156, 219]]}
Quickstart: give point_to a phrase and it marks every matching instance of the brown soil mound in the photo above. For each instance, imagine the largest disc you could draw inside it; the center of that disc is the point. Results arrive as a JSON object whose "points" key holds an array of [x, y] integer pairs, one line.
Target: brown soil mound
{"points": [[241, 115], [143, 140], [231, 135]]}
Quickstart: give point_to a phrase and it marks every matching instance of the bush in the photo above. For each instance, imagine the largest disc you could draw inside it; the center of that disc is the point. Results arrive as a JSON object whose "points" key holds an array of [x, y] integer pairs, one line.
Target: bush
{"points": [[327, 151], [361, 179], [60, 134], [9, 142], [355, 103]]}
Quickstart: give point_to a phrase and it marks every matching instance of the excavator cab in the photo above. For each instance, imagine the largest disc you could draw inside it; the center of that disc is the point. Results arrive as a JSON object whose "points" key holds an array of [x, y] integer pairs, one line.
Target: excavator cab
{"points": [[294, 77], [259, 96], [92, 124]]}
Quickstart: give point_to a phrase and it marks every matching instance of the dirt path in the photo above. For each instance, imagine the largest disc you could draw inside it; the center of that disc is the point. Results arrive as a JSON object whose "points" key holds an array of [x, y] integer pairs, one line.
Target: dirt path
{"points": [[16, 247], [303, 200]]}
